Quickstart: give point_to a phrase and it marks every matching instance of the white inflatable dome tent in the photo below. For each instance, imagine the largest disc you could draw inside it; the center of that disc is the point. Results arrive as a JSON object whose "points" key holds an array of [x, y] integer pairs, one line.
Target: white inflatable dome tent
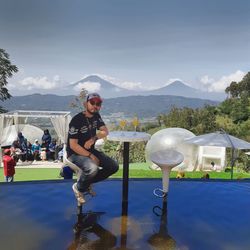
{"points": [[196, 158]]}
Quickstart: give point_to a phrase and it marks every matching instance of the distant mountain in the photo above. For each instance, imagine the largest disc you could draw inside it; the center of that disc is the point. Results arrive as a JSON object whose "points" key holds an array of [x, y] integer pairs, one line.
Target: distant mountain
{"points": [[112, 90], [151, 106], [107, 89], [177, 88], [38, 102], [143, 106]]}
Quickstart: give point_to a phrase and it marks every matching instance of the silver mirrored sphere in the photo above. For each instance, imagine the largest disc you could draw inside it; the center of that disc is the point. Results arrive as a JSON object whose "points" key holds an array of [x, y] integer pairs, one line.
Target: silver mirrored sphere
{"points": [[173, 138]]}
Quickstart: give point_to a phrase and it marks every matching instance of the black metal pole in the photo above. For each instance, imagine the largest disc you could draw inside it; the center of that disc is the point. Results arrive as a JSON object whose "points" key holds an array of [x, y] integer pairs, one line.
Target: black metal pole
{"points": [[233, 148], [232, 163], [163, 226], [232, 159], [125, 194], [125, 172]]}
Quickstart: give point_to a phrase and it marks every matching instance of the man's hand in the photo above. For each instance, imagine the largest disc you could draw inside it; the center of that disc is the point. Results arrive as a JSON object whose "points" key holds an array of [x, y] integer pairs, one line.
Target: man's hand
{"points": [[89, 143], [95, 159], [102, 133]]}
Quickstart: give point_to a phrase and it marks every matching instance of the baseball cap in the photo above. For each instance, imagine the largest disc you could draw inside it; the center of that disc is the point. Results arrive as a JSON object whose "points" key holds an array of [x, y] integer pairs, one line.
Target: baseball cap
{"points": [[94, 96]]}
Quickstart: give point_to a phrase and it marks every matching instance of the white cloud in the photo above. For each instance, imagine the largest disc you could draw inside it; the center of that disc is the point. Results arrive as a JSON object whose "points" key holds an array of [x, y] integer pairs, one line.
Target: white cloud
{"points": [[11, 85], [119, 83], [89, 86], [206, 82], [131, 85], [43, 83], [220, 85], [123, 84]]}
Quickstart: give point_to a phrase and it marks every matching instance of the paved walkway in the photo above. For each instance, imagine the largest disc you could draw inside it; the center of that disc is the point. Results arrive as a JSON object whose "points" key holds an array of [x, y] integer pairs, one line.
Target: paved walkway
{"points": [[39, 164]]}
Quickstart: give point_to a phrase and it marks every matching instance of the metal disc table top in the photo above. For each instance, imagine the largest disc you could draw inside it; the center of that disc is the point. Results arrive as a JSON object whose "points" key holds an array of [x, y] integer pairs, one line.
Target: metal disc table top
{"points": [[128, 136]]}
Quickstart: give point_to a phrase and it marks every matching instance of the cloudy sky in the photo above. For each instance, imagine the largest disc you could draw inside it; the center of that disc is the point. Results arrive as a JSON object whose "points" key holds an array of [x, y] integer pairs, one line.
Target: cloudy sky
{"points": [[134, 43]]}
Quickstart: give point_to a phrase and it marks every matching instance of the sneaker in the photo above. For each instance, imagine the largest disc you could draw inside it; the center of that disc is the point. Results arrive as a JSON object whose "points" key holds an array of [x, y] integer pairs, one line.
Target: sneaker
{"points": [[79, 196]]}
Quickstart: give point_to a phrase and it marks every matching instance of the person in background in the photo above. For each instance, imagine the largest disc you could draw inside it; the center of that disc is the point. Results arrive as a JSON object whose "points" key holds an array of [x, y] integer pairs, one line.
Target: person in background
{"points": [[19, 147], [60, 153], [213, 166], [16, 150], [52, 150], [29, 154], [59, 147], [23, 145], [8, 166], [46, 140], [36, 150], [84, 129], [24, 148], [20, 138], [43, 154]]}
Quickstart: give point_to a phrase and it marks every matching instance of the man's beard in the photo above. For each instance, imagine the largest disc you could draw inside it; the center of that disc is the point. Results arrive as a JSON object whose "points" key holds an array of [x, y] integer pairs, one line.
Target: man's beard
{"points": [[94, 112]]}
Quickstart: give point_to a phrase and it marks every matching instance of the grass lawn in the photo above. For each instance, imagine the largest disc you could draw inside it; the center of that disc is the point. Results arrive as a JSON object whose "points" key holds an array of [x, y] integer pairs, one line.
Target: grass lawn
{"points": [[137, 170]]}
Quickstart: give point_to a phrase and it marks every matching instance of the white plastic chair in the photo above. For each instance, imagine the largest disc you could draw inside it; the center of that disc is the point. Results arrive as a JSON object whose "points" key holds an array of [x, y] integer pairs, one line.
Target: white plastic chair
{"points": [[74, 167]]}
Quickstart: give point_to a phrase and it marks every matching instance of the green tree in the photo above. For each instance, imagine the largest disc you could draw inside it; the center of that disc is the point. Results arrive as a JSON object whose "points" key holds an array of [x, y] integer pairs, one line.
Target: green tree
{"points": [[160, 119], [244, 131], [233, 90], [225, 108], [79, 100], [240, 89], [237, 106], [240, 110], [204, 120], [226, 123], [174, 118], [6, 71], [244, 85], [198, 120]]}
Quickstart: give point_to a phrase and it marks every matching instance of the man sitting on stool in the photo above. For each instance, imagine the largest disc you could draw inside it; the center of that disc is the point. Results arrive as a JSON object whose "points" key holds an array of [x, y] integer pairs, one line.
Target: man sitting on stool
{"points": [[84, 129]]}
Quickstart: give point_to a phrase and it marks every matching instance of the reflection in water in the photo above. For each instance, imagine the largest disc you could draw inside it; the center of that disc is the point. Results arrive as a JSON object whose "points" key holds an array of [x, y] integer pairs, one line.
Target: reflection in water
{"points": [[124, 221], [124, 227], [84, 229], [128, 231], [92, 236], [162, 240]]}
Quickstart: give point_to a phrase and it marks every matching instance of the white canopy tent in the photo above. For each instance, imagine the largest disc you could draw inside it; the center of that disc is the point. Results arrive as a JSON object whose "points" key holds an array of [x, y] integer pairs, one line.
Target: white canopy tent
{"points": [[30, 132], [221, 139], [59, 119]]}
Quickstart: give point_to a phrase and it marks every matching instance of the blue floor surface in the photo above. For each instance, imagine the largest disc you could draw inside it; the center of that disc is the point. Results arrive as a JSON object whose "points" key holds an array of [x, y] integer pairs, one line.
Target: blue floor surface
{"points": [[198, 215]]}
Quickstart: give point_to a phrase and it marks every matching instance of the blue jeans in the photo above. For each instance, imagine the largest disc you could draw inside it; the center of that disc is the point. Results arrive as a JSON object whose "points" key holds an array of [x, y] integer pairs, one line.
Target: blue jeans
{"points": [[90, 171]]}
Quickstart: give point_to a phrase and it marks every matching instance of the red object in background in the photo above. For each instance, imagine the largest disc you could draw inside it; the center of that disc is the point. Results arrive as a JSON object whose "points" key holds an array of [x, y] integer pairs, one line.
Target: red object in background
{"points": [[9, 165]]}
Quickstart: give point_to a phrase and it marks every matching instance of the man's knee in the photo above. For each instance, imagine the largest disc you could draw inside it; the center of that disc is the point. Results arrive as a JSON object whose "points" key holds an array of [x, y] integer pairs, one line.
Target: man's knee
{"points": [[87, 166], [115, 167], [91, 169]]}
